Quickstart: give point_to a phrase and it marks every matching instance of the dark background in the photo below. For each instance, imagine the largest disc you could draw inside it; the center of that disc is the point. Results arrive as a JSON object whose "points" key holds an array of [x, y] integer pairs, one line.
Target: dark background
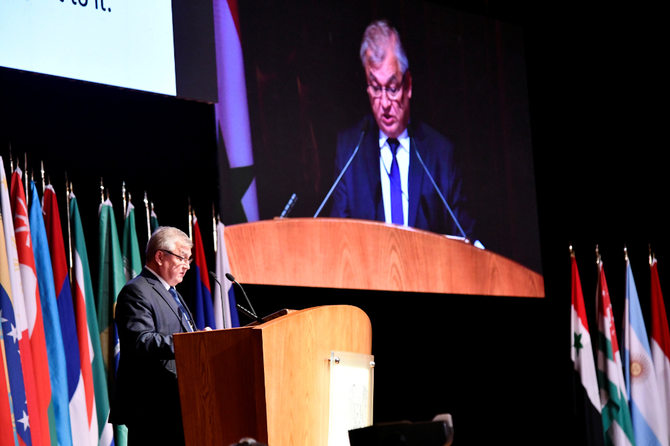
{"points": [[499, 365]]}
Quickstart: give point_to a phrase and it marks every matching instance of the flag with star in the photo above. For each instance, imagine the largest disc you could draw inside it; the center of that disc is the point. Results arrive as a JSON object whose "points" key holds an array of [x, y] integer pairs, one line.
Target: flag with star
{"points": [[7, 428], [660, 342], [52, 329], [617, 426], [31, 294], [647, 415], [75, 380], [87, 328], [585, 384], [12, 335]]}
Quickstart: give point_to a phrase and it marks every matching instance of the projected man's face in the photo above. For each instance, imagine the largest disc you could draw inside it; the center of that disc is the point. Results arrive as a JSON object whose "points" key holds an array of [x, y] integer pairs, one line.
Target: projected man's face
{"points": [[390, 105]]}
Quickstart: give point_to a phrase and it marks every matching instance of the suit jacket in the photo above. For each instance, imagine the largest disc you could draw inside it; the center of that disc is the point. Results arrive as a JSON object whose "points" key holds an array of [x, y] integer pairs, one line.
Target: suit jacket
{"points": [[359, 193], [146, 384]]}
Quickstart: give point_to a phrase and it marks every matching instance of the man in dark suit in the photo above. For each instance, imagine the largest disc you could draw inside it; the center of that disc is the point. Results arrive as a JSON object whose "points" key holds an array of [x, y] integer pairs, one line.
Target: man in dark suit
{"points": [[148, 312], [386, 180]]}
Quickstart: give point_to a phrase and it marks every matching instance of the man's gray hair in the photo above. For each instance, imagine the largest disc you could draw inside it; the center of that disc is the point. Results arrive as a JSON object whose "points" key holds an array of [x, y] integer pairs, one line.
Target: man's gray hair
{"points": [[378, 35], [166, 238]]}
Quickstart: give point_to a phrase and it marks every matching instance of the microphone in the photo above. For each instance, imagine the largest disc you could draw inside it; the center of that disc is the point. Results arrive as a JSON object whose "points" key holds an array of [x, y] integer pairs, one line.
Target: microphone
{"points": [[223, 302], [289, 206], [364, 130], [410, 133], [252, 313]]}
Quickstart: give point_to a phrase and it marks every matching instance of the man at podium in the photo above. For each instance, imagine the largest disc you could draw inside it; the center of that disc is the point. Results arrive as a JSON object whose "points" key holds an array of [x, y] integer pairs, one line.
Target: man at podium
{"points": [[148, 312], [390, 178]]}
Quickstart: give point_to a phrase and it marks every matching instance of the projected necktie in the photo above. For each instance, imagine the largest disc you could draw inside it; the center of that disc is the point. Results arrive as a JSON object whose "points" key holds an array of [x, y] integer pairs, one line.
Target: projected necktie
{"points": [[182, 310], [396, 190]]}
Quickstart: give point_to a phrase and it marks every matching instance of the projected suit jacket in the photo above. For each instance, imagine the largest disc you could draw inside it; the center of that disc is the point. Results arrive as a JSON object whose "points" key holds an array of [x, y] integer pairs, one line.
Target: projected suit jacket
{"points": [[359, 193], [146, 386]]}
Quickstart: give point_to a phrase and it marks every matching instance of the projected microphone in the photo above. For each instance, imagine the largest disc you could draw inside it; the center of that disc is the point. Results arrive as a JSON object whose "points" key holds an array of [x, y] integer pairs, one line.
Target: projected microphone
{"points": [[364, 129], [252, 313], [289, 206], [410, 132], [223, 302]]}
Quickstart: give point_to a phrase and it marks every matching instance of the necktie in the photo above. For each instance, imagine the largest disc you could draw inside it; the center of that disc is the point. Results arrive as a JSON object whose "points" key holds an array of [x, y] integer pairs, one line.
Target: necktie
{"points": [[396, 190], [182, 310]]}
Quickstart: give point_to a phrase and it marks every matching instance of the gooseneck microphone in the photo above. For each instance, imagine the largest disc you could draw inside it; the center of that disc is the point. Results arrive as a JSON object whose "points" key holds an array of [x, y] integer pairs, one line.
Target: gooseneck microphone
{"points": [[410, 132], [364, 130], [252, 313]]}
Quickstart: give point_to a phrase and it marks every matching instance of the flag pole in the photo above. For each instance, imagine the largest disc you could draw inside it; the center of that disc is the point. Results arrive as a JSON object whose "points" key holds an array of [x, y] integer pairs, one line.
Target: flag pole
{"points": [[102, 191], [146, 208], [42, 172], [25, 178], [123, 192], [190, 220], [69, 231], [214, 227]]}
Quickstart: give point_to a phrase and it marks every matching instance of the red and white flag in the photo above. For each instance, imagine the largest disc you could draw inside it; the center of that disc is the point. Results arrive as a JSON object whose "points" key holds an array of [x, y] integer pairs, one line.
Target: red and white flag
{"points": [[660, 341]]}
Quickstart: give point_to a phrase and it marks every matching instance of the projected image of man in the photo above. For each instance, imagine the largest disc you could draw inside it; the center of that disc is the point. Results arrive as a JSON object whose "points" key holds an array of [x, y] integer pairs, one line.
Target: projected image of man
{"points": [[386, 180]]}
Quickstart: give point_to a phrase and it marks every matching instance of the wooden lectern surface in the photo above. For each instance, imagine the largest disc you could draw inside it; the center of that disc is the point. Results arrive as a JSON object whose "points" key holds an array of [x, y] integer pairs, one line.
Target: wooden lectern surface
{"points": [[361, 254], [269, 382]]}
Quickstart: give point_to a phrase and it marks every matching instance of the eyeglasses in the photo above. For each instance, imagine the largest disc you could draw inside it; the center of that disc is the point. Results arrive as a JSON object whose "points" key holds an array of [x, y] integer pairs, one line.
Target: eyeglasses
{"points": [[183, 259], [393, 92]]}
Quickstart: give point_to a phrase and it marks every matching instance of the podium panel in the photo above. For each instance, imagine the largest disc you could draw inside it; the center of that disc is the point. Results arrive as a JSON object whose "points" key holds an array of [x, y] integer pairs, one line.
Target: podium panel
{"points": [[269, 381]]}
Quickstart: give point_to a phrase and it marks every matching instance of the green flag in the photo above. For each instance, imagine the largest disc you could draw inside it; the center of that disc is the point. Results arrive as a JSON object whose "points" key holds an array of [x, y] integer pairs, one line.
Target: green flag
{"points": [[132, 263], [82, 285], [154, 220], [111, 279]]}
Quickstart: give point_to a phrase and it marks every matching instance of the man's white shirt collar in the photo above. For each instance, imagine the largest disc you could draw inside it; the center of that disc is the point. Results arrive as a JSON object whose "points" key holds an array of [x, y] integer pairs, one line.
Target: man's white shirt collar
{"points": [[165, 284]]}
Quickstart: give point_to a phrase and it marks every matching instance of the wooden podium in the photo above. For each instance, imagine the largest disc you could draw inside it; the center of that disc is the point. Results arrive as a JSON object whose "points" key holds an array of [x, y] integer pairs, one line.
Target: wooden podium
{"points": [[368, 255], [269, 381]]}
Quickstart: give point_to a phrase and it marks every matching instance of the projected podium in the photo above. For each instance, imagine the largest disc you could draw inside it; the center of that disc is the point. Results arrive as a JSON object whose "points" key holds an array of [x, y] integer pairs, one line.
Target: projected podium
{"points": [[271, 381], [368, 255]]}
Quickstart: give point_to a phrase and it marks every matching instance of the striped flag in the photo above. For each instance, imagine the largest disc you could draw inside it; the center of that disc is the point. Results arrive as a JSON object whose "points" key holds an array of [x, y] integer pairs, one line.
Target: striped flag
{"points": [[201, 297], [31, 294], [660, 342], [226, 311], [75, 380], [232, 115], [132, 263], [7, 428], [10, 319], [111, 278], [647, 415], [616, 416], [87, 329], [585, 391], [52, 328]]}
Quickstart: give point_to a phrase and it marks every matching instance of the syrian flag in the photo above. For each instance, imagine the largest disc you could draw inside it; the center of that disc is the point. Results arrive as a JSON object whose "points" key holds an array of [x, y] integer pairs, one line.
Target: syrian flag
{"points": [[31, 294], [87, 329], [225, 312], [81, 433], [52, 328], [617, 424], [232, 115], [201, 296], [585, 384], [647, 414], [660, 342]]}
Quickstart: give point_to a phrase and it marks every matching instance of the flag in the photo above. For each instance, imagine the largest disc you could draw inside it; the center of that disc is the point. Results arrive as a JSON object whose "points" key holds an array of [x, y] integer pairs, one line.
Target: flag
{"points": [[87, 329], [75, 380], [154, 220], [52, 329], [132, 263], [225, 311], [660, 342], [10, 319], [201, 297], [616, 416], [647, 415], [31, 294], [111, 278], [585, 388], [7, 428], [232, 112]]}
